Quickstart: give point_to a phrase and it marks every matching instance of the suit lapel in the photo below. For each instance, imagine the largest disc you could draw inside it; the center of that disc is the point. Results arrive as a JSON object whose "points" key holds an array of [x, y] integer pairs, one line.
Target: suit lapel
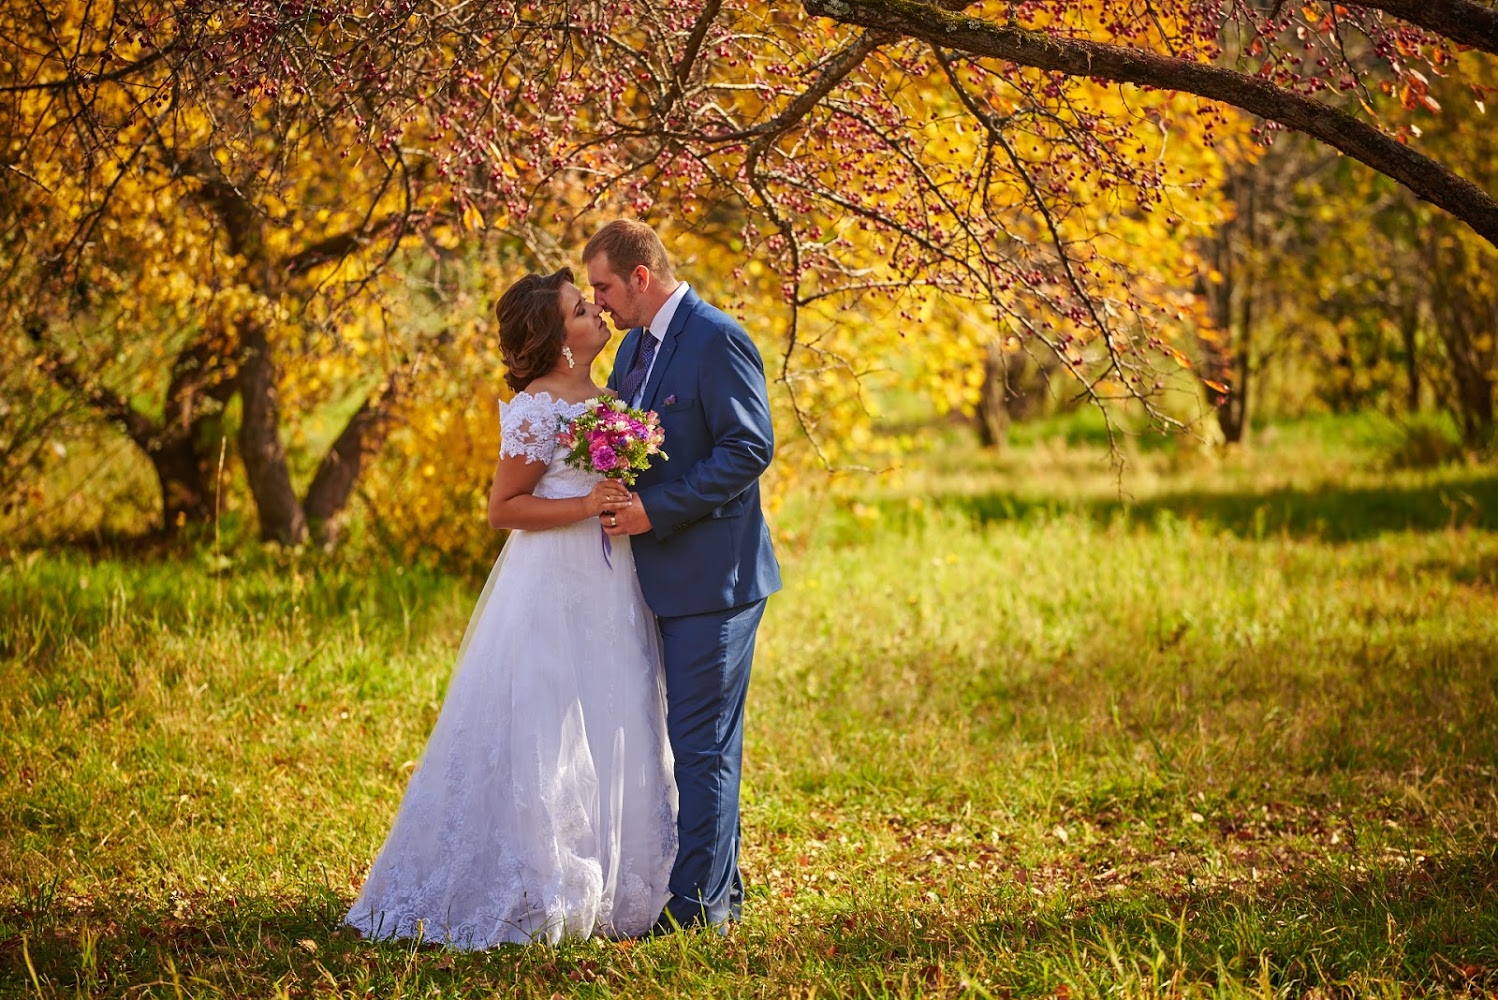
{"points": [[624, 358], [684, 309]]}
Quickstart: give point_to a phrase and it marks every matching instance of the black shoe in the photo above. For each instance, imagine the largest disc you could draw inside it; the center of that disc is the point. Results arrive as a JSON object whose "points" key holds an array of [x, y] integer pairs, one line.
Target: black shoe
{"points": [[666, 923]]}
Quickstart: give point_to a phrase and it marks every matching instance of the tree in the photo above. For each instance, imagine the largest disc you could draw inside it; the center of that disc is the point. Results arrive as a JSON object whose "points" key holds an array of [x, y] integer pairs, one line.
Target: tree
{"points": [[873, 161], [1312, 60], [176, 246], [850, 185], [1391, 302], [1284, 88]]}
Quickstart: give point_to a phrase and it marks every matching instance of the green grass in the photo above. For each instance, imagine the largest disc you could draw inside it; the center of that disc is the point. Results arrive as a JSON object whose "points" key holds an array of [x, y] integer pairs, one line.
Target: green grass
{"points": [[1230, 729]]}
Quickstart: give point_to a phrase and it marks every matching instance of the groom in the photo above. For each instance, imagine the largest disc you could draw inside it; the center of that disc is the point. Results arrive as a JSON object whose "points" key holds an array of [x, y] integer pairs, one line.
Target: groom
{"points": [[701, 546]]}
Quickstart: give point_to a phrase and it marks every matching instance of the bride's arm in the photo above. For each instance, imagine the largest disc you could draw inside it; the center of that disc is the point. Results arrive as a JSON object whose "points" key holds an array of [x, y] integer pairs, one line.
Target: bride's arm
{"points": [[512, 505]]}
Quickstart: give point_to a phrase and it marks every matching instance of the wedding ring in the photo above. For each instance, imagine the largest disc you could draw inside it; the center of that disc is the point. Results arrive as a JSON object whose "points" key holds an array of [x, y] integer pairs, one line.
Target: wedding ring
{"points": [[613, 520]]}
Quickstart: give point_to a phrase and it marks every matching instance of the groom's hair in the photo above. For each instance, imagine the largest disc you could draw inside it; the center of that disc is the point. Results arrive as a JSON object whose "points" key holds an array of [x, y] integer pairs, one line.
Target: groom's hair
{"points": [[630, 243], [531, 326]]}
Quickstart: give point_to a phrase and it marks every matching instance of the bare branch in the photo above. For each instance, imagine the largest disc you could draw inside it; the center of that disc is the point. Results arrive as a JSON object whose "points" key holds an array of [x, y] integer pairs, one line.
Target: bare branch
{"points": [[77, 80], [689, 56], [1462, 21], [1429, 180]]}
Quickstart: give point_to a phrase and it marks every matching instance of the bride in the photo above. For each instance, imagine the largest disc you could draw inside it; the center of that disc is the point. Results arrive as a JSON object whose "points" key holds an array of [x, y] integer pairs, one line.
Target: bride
{"points": [[544, 805]]}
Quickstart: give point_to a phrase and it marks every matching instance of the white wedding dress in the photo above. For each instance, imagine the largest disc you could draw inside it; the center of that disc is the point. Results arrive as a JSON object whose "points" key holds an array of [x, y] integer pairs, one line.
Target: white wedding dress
{"points": [[544, 805]]}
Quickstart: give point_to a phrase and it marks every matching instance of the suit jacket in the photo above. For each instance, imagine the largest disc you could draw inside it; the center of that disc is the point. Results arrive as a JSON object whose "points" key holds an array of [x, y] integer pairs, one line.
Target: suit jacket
{"points": [[710, 548]]}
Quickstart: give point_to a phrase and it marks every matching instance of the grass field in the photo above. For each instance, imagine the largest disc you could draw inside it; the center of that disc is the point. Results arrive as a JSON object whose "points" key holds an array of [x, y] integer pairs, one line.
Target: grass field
{"points": [[1226, 726]]}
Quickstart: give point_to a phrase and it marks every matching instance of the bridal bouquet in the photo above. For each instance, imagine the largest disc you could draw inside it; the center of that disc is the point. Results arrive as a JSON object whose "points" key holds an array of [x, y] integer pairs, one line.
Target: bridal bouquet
{"points": [[613, 439]]}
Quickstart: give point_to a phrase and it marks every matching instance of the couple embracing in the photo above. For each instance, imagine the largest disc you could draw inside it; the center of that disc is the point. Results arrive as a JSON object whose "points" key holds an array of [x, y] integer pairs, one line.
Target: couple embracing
{"points": [[582, 777]]}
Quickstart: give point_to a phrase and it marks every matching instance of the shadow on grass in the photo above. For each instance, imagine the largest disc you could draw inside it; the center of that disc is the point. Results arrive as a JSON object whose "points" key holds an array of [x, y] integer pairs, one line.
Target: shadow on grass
{"points": [[1409, 920], [294, 945], [1342, 925], [71, 598], [1425, 923], [1330, 514]]}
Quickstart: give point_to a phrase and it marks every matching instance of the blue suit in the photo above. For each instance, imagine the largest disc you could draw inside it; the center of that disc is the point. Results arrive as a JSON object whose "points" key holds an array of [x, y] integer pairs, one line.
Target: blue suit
{"points": [[705, 568]]}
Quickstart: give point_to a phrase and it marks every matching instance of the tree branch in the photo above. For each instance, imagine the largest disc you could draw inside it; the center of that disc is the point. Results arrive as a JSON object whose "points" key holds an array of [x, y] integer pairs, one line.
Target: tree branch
{"points": [[339, 245], [338, 472], [89, 79], [689, 56], [1429, 180], [1462, 21], [106, 402], [832, 73]]}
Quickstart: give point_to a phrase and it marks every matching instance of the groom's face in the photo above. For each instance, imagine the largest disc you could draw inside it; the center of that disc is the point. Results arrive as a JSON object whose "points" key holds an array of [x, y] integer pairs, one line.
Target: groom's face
{"points": [[619, 296]]}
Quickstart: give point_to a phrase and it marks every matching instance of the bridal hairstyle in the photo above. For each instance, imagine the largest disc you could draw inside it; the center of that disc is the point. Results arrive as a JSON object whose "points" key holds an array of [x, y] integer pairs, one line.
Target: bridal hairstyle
{"points": [[531, 326], [630, 243]]}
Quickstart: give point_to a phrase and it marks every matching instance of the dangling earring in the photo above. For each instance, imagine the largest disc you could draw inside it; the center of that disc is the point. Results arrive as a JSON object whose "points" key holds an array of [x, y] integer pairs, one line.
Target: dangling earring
{"points": [[567, 353]]}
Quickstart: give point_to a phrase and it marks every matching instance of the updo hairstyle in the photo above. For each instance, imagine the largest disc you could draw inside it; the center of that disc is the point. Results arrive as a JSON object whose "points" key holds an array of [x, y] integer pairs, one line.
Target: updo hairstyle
{"points": [[531, 326]]}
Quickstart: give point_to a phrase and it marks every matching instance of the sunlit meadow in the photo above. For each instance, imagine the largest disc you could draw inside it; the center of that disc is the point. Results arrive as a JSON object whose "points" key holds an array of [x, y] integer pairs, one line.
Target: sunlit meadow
{"points": [[1221, 725]]}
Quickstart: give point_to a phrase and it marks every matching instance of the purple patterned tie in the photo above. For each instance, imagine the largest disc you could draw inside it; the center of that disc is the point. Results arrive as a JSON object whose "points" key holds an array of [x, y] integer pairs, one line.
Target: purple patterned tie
{"points": [[634, 380]]}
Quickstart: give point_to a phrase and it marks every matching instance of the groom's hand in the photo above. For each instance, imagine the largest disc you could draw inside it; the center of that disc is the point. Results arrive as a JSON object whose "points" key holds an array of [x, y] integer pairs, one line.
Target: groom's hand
{"points": [[632, 520]]}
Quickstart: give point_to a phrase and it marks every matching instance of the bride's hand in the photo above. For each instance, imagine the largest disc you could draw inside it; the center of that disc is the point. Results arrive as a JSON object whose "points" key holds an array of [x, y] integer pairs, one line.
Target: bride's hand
{"points": [[607, 496]]}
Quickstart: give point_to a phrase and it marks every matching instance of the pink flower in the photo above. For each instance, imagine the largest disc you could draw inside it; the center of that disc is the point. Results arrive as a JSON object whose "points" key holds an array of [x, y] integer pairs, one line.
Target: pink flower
{"points": [[604, 458]]}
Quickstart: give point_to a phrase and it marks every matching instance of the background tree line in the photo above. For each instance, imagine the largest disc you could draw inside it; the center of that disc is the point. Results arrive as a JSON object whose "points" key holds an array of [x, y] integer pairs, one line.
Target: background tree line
{"points": [[255, 242]]}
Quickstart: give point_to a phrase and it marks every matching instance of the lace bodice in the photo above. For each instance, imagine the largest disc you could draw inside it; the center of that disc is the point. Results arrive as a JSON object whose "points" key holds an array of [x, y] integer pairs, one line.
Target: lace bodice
{"points": [[528, 426]]}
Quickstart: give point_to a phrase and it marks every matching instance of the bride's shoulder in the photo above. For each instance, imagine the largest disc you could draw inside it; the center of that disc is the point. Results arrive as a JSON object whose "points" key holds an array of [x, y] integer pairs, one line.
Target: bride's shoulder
{"points": [[526, 408], [529, 399], [545, 398], [529, 406]]}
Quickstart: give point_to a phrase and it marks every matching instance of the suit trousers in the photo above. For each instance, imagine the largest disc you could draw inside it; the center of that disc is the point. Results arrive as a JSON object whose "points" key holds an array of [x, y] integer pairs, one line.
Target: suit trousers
{"points": [[707, 659]]}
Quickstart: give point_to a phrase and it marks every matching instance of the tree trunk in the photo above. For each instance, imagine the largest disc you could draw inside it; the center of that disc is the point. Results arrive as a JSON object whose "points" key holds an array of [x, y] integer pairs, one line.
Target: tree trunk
{"points": [[1409, 330], [1232, 410], [993, 402], [1233, 413], [1227, 354], [174, 445], [282, 518], [192, 424], [1466, 318], [365, 433], [1474, 391], [1015, 387], [185, 497], [339, 470]]}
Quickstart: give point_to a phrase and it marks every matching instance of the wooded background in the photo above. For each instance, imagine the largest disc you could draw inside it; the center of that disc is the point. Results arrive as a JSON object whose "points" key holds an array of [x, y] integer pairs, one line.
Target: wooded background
{"points": [[251, 247]]}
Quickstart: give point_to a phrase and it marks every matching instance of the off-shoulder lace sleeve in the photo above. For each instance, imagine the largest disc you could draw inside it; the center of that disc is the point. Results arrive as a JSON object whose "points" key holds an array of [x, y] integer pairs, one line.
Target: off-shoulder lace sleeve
{"points": [[528, 427]]}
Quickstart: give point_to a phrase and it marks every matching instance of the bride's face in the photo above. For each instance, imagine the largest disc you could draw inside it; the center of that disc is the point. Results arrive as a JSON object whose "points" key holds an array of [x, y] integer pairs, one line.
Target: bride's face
{"points": [[583, 327]]}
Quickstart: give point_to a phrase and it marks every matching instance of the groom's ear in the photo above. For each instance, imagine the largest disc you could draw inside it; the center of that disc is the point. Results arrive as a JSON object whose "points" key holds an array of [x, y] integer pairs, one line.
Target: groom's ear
{"points": [[641, 277]]}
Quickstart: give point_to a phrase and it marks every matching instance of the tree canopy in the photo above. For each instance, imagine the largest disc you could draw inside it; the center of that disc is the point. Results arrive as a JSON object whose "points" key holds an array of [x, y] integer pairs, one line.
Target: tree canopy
{"points": [[273, 205]]}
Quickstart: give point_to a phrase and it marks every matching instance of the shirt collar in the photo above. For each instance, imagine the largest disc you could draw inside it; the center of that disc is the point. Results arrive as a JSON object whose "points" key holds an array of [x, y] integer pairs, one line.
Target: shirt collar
{"points": [[667, 312]]}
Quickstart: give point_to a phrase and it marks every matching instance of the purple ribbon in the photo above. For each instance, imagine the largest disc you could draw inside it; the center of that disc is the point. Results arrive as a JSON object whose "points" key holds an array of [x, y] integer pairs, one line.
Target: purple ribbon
{"points": [[608, 549]]}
